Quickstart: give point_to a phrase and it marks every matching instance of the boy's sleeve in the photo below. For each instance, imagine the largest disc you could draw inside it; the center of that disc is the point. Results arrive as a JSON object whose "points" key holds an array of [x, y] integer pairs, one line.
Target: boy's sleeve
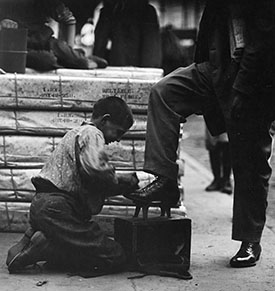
{"points": [[93, 159]]}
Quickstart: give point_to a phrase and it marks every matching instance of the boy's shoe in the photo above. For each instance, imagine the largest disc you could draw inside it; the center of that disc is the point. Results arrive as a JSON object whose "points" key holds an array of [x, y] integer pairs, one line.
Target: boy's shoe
{"points": [[20, 246], [31, 254]]}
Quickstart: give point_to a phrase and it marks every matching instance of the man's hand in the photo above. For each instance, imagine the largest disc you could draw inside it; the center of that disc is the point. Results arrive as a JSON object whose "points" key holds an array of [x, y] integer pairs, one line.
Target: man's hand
{"points": [[8, 23], [241, 106]]}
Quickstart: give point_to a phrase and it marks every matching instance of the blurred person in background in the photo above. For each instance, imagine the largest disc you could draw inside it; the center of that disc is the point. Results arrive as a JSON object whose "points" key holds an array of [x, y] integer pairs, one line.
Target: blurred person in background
{"points": [[82, 13], [128, 34], [173, 55], [220, 162], [45, 52]]}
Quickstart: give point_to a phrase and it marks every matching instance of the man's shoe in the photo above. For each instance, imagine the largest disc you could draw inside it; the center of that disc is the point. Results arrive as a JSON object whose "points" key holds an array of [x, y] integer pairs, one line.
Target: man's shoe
{"points": [[215, 185], [161, 189], [247, 256], [226, 187], [31, 254], [20, 246]]}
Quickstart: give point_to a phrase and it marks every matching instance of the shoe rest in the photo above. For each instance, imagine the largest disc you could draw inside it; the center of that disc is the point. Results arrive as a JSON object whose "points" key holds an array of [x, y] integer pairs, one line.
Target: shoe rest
{"points": [[165, 209], [154, 238]]}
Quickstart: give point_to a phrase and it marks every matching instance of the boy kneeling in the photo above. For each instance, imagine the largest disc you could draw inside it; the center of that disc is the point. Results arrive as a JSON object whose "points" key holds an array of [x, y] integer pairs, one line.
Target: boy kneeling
{"points": [[71, 187]]}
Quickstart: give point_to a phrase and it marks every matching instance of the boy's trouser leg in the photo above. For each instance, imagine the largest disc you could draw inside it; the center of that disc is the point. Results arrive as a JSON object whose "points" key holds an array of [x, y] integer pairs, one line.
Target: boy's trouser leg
{"points": [[74, 241], [178, 95]]}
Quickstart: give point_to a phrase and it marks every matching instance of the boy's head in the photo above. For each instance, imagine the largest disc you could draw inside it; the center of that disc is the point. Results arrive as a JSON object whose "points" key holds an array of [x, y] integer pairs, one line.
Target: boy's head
{"points": [[113, 117]]}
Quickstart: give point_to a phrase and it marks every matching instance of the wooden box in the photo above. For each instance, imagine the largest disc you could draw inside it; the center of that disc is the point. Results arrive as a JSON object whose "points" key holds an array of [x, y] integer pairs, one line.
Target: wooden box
{"points": [[154, 237]]}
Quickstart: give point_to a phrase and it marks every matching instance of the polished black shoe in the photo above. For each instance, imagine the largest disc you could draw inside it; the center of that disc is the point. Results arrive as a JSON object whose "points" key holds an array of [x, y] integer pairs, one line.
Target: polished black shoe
{"points": [[215, 185], [32, 253], [247, 256], [161, 189]]}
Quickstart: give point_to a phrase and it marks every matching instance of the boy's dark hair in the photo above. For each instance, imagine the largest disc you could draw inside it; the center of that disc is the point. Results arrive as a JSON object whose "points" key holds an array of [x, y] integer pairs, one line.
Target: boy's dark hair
{"points": [[119, 111]]}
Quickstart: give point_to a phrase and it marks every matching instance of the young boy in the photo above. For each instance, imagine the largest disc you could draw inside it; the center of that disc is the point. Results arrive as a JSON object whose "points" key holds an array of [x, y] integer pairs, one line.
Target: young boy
{"points": [[71, 187]]}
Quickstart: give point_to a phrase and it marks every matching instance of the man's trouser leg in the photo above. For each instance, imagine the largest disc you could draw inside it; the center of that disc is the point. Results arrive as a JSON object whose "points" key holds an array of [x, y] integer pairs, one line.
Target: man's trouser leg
{"points": [[183, 92], [250, 143], [215, 162], [226, 161], [73, 240]]}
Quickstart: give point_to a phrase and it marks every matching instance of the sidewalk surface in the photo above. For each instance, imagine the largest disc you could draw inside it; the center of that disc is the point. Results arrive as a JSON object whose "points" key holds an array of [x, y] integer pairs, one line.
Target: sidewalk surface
{"points": [[211, 250]]}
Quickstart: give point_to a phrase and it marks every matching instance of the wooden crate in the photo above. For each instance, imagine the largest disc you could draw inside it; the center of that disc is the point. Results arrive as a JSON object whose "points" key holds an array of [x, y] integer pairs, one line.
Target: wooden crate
{"points": [[154, 237]]}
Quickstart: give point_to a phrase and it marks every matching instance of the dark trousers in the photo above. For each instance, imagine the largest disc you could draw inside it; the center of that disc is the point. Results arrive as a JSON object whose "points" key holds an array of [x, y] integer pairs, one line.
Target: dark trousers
{"points": [[190, 90], [75, 242], [59, 54], [220, 161]]}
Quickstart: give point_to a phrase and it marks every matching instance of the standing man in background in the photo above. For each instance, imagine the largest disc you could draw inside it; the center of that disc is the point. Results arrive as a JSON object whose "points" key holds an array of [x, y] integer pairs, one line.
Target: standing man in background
{"points": [[128, 34]]}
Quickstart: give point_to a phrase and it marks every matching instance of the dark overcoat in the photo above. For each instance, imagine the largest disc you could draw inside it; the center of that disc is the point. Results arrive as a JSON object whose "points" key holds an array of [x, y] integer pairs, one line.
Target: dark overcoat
{"points": [[134, 33], [254, 74]]}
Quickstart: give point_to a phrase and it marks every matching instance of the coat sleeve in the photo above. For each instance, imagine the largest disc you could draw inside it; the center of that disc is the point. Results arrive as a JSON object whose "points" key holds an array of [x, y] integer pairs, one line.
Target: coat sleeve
{"points": [[257, 64]]}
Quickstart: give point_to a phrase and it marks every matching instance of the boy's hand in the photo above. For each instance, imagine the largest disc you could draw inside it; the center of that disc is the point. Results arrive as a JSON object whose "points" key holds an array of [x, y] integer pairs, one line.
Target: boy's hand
{"points": [[129, 181], [8, 23]]}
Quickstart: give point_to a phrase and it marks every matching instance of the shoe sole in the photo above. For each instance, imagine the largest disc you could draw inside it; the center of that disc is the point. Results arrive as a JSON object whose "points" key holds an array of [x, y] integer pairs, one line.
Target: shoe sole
{"points": [[245, 265], [20, 246], [145, 202], [36, 240]]}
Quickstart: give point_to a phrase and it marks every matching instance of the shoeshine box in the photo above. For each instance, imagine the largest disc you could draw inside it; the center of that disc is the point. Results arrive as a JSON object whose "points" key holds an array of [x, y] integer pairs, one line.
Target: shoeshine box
{"points": [[154, 237]]}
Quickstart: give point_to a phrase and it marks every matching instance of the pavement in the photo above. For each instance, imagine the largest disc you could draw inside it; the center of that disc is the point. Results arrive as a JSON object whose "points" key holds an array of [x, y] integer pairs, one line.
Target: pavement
{"points": [[211, 249]]}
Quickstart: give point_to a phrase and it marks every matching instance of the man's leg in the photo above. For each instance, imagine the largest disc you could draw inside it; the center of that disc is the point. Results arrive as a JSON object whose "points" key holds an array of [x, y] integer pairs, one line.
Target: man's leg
{"points": [[67, 56], [250, 154], [250, 143], [226, 186], [215, 163], [177, 96], [42, 60]]}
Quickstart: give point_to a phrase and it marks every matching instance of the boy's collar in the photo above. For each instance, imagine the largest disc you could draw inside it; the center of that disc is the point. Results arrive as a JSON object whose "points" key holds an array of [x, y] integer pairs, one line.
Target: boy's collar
{"points": [[87, 123]]}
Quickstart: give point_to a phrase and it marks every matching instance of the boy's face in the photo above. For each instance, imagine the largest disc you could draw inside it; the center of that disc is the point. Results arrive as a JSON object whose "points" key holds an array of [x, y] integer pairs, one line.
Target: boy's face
{"points": [[112, 132]]}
